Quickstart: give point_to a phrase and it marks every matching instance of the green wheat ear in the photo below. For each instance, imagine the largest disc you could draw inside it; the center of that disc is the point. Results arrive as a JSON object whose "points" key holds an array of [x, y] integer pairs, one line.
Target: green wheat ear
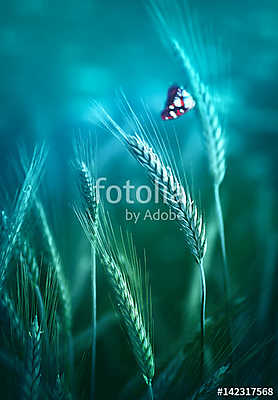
{"points": [[85, 168], [163, 173], [130, 287]]}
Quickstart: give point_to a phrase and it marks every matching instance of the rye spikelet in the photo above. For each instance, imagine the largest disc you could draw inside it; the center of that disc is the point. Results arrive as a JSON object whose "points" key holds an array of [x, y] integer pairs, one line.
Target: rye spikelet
{"points": [[32, 373]]}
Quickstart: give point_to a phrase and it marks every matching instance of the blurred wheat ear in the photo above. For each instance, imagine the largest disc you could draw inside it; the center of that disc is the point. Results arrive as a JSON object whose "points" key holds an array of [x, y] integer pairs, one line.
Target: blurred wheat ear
{"points": [[33, 174], [183, 33]]}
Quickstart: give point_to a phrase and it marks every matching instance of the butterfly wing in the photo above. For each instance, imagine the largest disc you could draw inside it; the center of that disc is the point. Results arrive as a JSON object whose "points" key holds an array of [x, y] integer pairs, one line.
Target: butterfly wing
{"points": [[178, 102]]}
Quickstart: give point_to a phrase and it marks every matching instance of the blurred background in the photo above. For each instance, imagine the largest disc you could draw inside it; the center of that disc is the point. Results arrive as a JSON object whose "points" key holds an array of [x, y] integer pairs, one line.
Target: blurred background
{"points": [[59, 57]]}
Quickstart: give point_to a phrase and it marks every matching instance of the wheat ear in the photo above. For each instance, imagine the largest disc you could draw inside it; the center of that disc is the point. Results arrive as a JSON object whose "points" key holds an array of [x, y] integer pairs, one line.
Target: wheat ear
{"points": [[125, 274], [122, 268], [57, 265], [214, 139], [181, 203], [87, 193], [63, 292], [213, 131], [28, 260], [175, 195], [182, 31], [32, 373], [215, 143], [23, 202], [172, 191]]}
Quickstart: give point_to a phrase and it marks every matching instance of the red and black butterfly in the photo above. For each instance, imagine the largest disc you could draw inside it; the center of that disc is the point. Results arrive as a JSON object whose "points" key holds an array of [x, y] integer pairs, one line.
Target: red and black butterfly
{"points": [[179, 101]]}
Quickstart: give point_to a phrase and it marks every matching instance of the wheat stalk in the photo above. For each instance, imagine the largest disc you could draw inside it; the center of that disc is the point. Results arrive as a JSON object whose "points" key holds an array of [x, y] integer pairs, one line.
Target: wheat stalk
{"points": [[32, 373], [87, 193]]}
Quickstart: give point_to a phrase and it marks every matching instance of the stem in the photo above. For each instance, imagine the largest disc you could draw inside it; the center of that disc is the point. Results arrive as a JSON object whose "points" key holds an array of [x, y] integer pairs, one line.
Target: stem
{"points": [[94, 322], [222, 239], [150, 392], [227, 291], [203, 314]]}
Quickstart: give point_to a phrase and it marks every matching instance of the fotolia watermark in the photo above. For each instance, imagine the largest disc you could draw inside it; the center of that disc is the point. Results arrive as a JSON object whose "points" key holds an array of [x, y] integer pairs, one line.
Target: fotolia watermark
{"points": [[157, 215], [142, 194]]}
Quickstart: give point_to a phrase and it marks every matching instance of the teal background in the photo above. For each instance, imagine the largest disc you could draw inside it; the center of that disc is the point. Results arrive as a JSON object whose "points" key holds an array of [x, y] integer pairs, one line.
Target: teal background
{"points": [[56, 59]]}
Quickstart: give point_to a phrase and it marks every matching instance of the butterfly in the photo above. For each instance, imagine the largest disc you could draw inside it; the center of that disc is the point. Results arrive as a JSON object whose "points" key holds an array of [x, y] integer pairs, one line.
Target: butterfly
{"points": [[179, 101]]}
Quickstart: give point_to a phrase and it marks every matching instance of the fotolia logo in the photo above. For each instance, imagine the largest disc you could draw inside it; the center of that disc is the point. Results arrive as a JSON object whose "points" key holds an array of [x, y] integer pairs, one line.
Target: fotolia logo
{"points": [[143, 194]]}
